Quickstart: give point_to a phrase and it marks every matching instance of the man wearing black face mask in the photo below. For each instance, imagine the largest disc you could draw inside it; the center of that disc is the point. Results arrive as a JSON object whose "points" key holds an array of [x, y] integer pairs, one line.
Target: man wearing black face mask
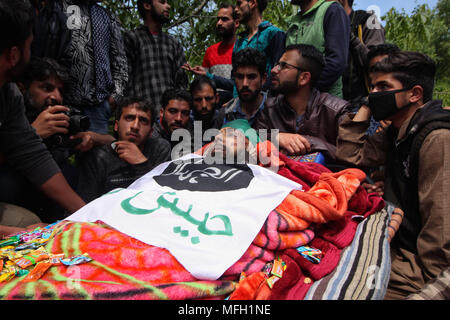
{"points": [[416, 151]]}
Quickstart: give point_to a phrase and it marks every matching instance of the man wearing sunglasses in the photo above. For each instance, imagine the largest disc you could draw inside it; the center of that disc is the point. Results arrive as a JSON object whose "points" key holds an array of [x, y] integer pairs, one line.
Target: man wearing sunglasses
{"points": [[307, 119]]}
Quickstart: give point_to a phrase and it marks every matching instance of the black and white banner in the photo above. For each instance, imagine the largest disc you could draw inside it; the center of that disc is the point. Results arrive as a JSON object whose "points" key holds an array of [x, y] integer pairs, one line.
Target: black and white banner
{"points": [[205, 215]]}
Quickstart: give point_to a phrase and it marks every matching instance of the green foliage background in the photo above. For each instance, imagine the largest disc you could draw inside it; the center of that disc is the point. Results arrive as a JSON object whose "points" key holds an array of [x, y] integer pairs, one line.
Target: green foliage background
{"points": [[193, 23]]}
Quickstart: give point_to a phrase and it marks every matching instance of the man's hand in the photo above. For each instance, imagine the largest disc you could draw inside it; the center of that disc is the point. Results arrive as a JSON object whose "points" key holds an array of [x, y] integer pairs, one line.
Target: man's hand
{"points": [[5, 231], [201, 71], [293, 143], [395, 222], [383, 125], [363, 114], [58, 189], [112, 103], [87, 140], [129, 152], [377, 187], [90, 139], [51, 121]]}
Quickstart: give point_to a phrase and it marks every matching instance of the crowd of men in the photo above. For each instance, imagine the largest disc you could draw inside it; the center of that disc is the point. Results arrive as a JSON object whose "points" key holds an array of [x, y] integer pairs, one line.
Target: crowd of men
{"points": [[328, 84]]}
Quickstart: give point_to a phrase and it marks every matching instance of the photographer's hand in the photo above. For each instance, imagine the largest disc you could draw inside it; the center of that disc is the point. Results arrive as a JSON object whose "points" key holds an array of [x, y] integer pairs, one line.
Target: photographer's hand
{"points": [[89, 139], [129, 152], [51, 121]]}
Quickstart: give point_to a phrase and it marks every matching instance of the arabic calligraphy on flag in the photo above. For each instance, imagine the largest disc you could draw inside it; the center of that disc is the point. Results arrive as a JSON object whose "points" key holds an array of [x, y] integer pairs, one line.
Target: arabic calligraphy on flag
{"points": [[205, 215]]}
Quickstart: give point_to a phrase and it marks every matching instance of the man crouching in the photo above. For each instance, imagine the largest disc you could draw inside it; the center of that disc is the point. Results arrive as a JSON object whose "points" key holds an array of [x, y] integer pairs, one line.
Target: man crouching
{"points": [[132, 155]]}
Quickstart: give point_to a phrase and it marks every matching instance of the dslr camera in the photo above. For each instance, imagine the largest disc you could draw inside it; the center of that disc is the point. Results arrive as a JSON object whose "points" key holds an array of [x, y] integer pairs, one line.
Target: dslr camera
{"points": [[78, 122]]}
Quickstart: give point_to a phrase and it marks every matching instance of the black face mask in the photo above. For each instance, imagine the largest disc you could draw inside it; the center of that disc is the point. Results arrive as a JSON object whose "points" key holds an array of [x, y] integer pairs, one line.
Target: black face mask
{"points": [[383, 104]]}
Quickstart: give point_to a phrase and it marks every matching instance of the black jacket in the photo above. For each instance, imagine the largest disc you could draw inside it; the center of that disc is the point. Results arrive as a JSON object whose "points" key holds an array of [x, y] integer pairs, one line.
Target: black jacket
{"points": [[319, 124], [101, 169], [401, 182]]}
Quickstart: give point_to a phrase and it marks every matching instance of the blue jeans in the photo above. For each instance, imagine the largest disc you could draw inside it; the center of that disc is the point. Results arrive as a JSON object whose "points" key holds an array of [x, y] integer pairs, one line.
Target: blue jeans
{"points": [[98, 116]]}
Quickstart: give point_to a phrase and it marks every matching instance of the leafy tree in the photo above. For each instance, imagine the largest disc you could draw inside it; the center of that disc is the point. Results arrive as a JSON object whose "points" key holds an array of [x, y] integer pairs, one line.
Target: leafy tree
{"points": [[193, 21], [125, 11]]}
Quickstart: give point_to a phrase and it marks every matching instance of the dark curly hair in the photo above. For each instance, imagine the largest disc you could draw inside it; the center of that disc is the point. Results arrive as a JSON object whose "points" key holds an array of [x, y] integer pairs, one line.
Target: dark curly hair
{"points": [[175, 94], [16, 22], [410, 68], [312, 60], [145, 105], [40, 69], [198, 83], [249, 57], [381, 49]]}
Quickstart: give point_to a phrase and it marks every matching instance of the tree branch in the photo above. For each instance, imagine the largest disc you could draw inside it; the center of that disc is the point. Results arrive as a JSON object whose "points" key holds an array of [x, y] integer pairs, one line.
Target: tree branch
{"points": [[194, 13]]}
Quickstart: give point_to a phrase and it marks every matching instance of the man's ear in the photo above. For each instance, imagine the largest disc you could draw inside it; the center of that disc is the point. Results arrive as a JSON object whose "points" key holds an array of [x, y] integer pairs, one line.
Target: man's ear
{"points": [[13, 56], [417, 94], [116, 125], [161, 113], [147, 5], [264, 78], [304, 78]]}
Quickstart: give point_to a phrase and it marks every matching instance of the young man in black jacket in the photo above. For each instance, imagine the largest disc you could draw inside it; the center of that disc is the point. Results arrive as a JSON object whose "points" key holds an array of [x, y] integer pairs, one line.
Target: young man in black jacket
{"points": [[135, 153], [415, 152]]}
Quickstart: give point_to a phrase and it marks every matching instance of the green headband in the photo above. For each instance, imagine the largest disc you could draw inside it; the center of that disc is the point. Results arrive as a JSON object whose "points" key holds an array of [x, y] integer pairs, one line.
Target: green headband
{"points": [[245, 128]]}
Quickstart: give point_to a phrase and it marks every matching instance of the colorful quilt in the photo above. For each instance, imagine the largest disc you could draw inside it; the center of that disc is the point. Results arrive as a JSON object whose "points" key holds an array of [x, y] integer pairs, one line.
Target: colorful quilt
{"points": [[333, 215]]}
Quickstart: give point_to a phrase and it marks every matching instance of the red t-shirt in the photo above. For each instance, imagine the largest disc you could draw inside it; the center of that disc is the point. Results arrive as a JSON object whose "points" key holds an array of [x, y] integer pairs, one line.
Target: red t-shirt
{"points": [[218, 59]]}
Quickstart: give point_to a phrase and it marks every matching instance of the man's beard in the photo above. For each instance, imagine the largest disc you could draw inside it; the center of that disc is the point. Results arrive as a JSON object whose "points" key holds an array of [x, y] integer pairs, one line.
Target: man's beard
{"points": [[166, 126], [29, 102], [288, 87], [32, 111], [225, 33], [244, 18], [250, 98], [159, 17], [205, 118]]}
